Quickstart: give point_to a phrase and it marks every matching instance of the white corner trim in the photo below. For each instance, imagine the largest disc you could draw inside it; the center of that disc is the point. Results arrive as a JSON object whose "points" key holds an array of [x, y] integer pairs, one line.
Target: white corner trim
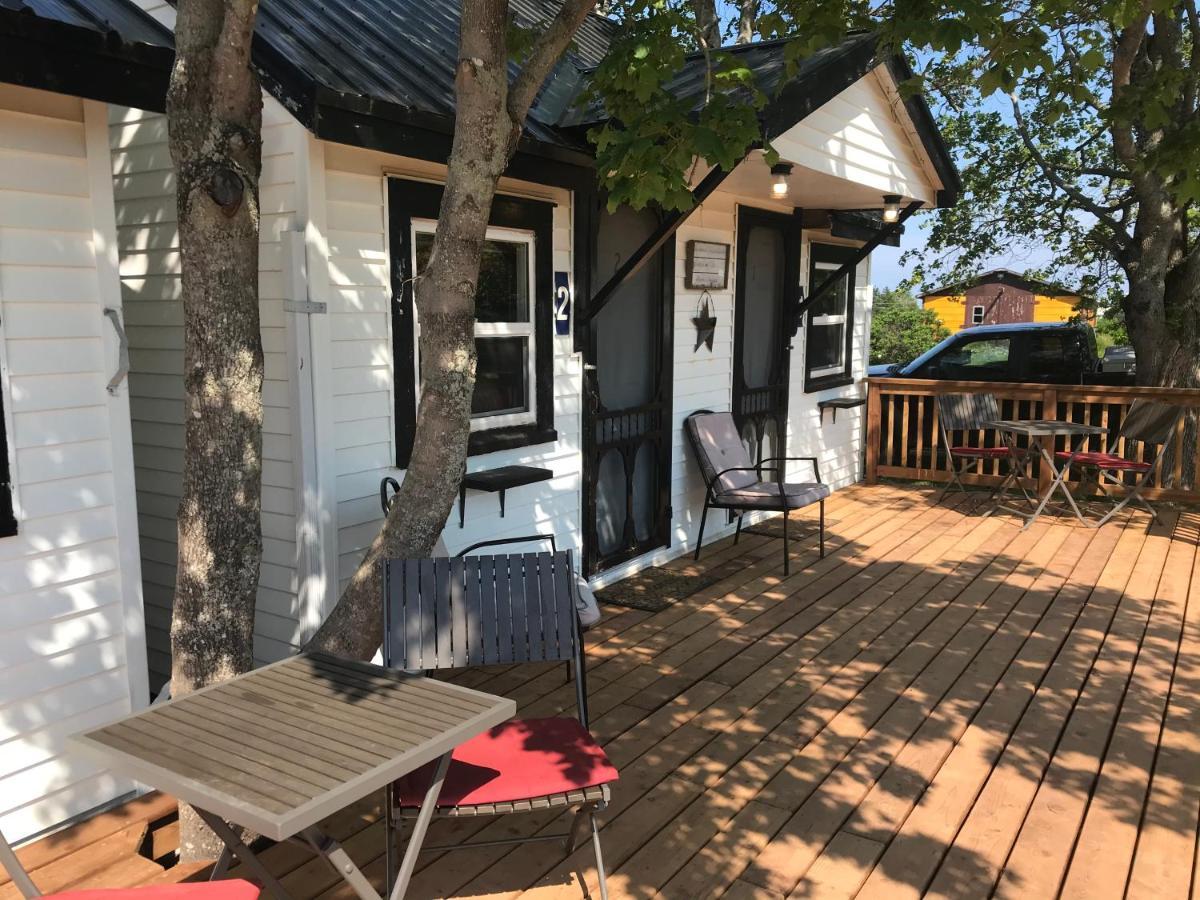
{"points": [[104, 236]]}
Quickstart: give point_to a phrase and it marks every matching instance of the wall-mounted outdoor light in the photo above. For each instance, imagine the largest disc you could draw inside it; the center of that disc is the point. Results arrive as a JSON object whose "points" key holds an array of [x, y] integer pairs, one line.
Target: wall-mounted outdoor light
{"points": [[779, 177], [891, 207]]}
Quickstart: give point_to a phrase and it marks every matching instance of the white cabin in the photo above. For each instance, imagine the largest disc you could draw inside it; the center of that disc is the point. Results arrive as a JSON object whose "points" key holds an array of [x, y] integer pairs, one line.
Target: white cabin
{"points": [[349, 192]]}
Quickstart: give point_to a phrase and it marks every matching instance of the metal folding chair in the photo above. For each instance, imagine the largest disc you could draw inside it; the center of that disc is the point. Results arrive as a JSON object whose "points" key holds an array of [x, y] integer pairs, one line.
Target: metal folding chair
{"points": [[231, 889], [499, 610], [733, 482], [962, 413], [1148, 423]]}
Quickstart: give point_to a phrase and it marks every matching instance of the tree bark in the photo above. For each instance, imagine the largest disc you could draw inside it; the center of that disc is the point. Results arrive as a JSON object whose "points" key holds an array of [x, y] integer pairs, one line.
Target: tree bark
{"points": [[708, 25], [489, 119], [747, 19], [214, 110]]}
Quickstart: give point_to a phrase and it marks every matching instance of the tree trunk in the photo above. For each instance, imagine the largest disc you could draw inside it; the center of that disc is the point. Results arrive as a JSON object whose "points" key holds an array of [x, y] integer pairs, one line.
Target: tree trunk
{"points": [[489, 118], [214, 110], [747, 19], [708, 25]]}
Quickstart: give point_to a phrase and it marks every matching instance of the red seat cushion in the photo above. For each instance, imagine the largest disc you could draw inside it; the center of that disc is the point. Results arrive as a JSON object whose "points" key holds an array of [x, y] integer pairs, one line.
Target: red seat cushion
{"points": [[1106, 461], [232, 889], [980, 452], [516, 760]]}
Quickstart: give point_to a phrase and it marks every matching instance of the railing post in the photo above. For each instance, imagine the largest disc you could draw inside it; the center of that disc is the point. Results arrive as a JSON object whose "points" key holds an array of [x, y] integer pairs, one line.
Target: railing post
{"points": [[873, 416], [1049, 411]]}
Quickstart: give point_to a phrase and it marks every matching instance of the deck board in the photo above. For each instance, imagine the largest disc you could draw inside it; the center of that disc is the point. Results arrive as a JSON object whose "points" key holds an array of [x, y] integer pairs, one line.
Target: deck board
{"points": [[945, 705]]}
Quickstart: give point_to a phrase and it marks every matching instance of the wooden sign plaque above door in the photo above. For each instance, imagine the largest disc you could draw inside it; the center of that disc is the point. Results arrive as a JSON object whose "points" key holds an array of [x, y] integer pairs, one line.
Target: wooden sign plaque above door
{"points": [[707, 265]]}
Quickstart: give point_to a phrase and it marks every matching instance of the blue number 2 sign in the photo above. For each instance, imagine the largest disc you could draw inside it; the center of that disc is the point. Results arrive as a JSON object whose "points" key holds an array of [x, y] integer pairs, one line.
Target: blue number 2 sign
{"points": [[562, 304]]}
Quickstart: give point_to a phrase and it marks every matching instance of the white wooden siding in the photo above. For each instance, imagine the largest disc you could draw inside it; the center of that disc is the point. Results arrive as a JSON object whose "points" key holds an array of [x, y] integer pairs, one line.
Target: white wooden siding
{"points": [[144, 185], [858, 137], [63, 658], [361, 371]]}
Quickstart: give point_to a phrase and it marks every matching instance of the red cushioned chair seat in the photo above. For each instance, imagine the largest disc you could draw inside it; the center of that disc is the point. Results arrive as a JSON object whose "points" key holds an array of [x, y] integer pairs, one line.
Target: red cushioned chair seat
{"points": [[1106, 461], [517, 760], [980, 452], [232, 889]]}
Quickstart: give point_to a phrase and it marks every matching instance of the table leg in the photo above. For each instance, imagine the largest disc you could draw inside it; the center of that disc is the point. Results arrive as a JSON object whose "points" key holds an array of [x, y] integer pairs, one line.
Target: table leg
{"points": [[340, 860], [1060, 479], [239, 849], [221, 866], [1018, 460], [409, 863]]}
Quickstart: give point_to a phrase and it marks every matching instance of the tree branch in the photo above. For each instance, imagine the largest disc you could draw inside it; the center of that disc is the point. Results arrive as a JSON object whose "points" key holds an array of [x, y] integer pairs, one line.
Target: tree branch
{"points": [[1052, 174], [1125, 55], [545, 54]]}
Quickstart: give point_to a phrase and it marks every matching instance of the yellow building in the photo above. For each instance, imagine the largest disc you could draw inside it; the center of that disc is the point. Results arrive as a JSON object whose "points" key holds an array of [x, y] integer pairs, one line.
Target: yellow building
{"points": [[1001, 297]]}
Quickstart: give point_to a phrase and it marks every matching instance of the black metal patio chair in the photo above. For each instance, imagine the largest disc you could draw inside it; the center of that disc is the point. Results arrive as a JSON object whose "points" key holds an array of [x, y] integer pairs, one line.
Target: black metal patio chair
{"points": [[488, 610], [732, 481], [1147, 422]]}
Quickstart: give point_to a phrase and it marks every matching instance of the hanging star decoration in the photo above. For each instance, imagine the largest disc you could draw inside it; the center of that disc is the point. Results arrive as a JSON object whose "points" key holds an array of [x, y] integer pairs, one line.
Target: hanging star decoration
{"points": [[706, 325]]}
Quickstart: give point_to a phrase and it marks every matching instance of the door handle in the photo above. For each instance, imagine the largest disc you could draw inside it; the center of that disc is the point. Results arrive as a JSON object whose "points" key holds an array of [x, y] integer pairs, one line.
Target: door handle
{"points": [[122, 350]]}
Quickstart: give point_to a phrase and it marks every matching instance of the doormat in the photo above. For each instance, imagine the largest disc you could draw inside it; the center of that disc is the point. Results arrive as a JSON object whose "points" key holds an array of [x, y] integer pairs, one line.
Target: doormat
{"points": [[656, 588]]}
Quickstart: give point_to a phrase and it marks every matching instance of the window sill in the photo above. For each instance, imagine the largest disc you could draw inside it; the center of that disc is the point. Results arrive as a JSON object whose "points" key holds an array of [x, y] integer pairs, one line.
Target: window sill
{"points": [[495, 439], [812, 385]]}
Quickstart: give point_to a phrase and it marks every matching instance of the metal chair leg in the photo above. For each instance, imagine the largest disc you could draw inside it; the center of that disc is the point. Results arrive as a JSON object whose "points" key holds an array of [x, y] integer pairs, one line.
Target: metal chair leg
{"points": [[700, 536], [821, 528], [599, 858], [737, 535], [575, 833]]}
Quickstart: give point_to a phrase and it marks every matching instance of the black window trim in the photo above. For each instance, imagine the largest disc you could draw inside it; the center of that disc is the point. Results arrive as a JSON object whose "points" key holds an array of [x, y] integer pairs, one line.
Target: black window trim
{"points": [[831, 253], [408, 200]]}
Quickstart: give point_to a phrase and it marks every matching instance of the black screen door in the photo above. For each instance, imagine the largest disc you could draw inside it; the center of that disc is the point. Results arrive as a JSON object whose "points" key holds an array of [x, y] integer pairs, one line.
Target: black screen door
{"points": [[768, 279], [627, 399]]}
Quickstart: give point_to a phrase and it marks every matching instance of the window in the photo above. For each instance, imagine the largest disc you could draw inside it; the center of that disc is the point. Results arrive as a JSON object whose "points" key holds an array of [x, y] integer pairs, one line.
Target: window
{"points": [[1058, 357], [976, 315], [506, 371], [827, 357], [984, 359], [513, 401]]}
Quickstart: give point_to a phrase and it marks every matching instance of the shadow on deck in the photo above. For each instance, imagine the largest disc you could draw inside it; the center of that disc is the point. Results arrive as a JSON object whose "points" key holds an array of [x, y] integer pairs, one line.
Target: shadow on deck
{"points": [[945, 705]]}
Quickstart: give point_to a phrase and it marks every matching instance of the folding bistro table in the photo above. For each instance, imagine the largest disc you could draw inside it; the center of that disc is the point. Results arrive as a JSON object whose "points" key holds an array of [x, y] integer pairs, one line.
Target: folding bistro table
{"points": [[281, 748], [1039, 432]]}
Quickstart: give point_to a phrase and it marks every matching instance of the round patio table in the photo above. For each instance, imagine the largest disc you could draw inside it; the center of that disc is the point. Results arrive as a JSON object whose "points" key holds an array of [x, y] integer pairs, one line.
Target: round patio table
{"points": [[1041, 434]]}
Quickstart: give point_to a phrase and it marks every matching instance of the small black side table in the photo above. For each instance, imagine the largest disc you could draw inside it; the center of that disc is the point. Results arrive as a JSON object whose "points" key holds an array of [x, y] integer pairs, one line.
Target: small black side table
{"points": [[497, 481], [839, 403]]}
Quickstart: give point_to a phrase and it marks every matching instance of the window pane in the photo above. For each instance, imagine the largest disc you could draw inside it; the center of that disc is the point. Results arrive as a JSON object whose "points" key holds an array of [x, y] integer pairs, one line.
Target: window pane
{"points": [[826, 346], [501, 376], [980, 360], [503, 294], [833, 301]]}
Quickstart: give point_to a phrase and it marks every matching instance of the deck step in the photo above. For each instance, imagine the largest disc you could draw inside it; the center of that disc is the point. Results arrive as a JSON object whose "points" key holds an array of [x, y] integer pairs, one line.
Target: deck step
{"points": [[41, 853], [86, 862]]}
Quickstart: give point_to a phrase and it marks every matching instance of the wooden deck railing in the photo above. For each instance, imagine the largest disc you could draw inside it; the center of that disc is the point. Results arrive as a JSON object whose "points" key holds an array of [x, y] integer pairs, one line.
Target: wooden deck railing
{"points": [[904, 440]]}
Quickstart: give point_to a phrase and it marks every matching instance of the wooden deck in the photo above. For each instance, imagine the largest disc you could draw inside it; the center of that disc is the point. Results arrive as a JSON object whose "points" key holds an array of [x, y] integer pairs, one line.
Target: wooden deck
{"points": [[945, 706]]}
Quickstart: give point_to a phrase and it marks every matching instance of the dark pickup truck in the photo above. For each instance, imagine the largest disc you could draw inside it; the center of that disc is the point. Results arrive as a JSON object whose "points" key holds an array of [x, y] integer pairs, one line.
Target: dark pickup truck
{"points": [[1033, 352]]}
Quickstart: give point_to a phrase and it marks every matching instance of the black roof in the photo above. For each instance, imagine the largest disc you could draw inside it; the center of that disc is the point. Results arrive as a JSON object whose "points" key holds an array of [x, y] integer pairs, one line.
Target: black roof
{"points": [[380, 73], [105, 50], [1005, 277], [367, 55]]}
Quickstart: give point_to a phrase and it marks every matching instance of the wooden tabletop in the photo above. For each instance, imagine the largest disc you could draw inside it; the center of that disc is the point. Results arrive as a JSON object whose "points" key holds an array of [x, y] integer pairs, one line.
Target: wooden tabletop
{"points": [[281, 748], [1045, 427]]}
